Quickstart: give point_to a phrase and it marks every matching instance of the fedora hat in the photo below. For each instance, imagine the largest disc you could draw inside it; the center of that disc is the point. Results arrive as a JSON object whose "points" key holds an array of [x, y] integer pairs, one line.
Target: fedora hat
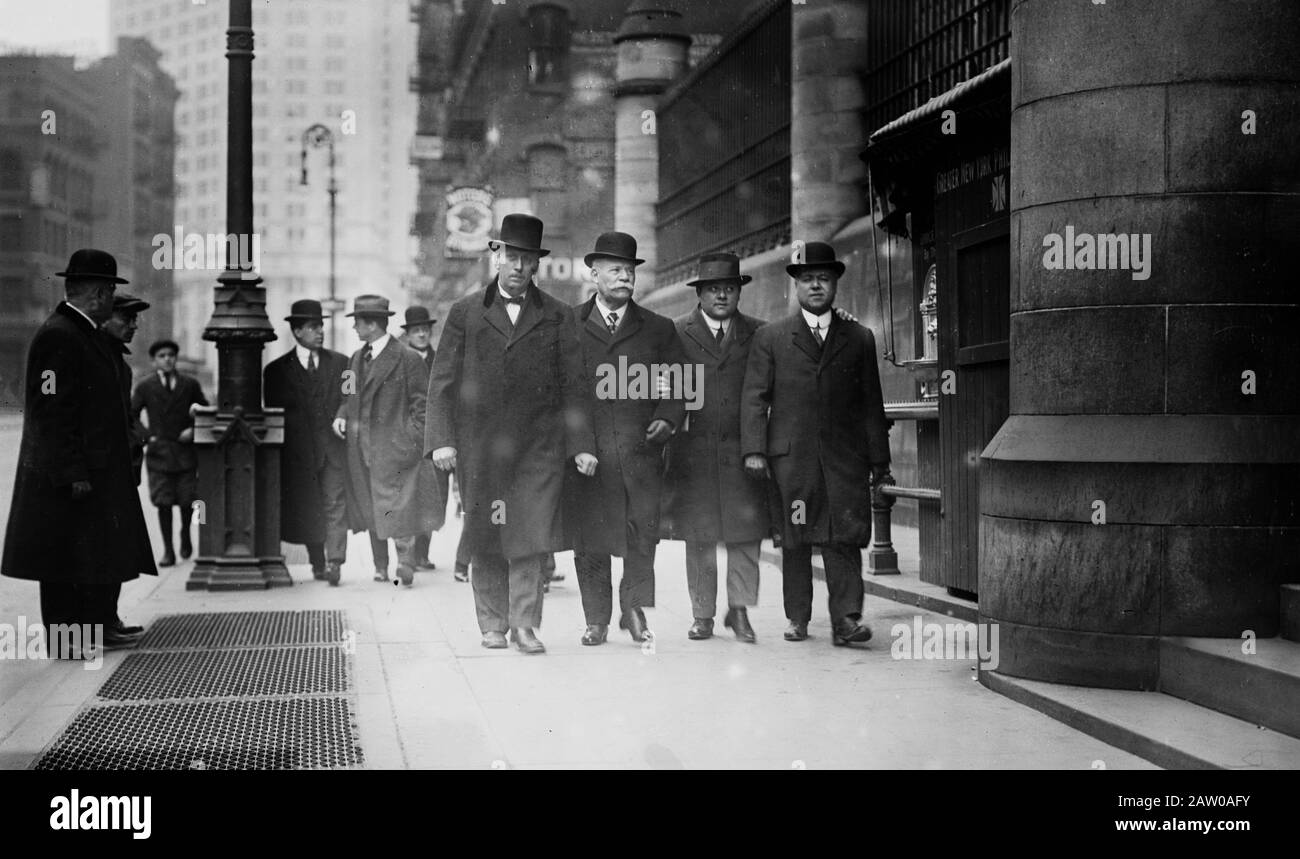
{"points": [[370, 305], [127, 303], [817, 255], [305, 310], [719, 267], [91, 262], [614, 245], [523, 232], [417, 315]]}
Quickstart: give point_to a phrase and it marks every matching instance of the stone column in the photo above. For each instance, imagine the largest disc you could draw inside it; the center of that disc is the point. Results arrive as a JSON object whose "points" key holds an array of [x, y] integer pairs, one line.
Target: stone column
{"points": [[1145, 484], [826, 129], [652, 52]]}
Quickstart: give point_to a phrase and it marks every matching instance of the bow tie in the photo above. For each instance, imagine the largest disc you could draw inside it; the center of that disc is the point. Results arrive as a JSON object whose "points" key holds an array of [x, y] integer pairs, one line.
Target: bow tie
{"points": [[508, 300]]}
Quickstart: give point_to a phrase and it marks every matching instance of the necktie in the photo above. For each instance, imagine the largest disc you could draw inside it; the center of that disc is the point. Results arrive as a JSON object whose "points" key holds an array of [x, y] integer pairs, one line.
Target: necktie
{"points": [[613, 322], [817, 332], [171, 382], [718, 335], [311, 362]]}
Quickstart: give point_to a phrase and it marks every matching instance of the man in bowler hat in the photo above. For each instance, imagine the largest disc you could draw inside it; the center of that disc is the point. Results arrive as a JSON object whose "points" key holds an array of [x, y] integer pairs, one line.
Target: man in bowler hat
{"points": [[382, 418], [813, 418], [618, 512], [307, 382], [507, 412], [708, 498], [168, 398], [418, 330], [75, 523]]}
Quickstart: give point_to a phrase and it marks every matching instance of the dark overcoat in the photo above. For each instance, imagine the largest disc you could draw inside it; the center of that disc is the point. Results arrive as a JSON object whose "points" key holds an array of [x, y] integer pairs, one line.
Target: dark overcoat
{"points": [[169, 415], [707, 495], [310, 403], [621, 505], [388, 492], [138, 434], [826, 428], [510, 400], [74, 429]]}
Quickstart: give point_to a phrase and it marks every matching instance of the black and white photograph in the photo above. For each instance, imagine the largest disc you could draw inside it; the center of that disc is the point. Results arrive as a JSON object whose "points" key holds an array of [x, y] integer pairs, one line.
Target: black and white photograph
{"points": [[639, 385]]}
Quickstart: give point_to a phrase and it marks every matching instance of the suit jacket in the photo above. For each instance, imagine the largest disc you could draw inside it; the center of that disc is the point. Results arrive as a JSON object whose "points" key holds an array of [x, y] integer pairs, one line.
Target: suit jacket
{"points": [[818, 414], [169, 415], [74, 429], [708, 497], [310, 403], [510, 400], [389, 492], [137, 433], [621, 506]]}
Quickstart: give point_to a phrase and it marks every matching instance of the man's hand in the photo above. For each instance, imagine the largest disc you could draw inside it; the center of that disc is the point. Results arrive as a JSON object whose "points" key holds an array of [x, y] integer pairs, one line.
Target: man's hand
{"points": [[445, 458], [341, 427], [80, 489], [586, 464], [658, 432], [756, 466], [186, 436]]}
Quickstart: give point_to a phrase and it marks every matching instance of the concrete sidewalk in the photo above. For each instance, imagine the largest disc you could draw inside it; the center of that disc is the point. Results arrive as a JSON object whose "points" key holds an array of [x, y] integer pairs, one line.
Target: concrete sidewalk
{"points": [[430, 697]]}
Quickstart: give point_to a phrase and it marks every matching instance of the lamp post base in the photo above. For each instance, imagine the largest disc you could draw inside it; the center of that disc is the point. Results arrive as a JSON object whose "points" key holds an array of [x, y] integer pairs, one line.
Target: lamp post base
{"points": [[238, 574]]}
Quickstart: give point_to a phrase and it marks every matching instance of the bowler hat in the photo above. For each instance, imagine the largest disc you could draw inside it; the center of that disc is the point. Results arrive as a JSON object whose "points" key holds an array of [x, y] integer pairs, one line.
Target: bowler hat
{"points": [[523, 232], [817, 255], [417, 315], [305, 310], [371, 305], [719, 267], [614, 245], [127, 303], [164, 344], [91, 262]]}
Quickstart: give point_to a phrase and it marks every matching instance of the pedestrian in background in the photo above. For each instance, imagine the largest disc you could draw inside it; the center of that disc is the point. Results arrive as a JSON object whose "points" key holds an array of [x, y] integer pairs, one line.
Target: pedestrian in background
{"points": [[418, 329], [121, 328], [307, 382], [168, 398]]}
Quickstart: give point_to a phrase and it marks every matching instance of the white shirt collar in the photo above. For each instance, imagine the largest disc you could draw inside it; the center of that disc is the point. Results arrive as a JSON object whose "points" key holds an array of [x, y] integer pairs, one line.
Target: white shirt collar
{"points": [[93, 323], [303, 354], [714, 324], [378, 346], [606, 310], [823, 321]]}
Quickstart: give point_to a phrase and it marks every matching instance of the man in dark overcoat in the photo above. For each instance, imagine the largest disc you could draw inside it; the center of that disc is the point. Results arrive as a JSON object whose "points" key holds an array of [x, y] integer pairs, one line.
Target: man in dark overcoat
{"points": [[382, 418], [307, 382], [507, 411], [418, 330], [813, 417], [618, 512], [168, 398], [75, 523], [708, 498]]}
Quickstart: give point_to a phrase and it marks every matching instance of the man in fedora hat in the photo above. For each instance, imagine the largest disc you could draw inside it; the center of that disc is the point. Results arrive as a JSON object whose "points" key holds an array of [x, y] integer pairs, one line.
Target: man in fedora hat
{"points": [[813, 418], [307, 382], [618, 512], [382, 419], [75, 523], [507, 412], [708, 498], [120, 329], [418, 330], [168, 397]]}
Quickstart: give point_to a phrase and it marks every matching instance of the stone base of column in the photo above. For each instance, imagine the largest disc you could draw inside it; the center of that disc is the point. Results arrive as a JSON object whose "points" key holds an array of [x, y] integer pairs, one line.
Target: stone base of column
{"points": [[238, 574]]}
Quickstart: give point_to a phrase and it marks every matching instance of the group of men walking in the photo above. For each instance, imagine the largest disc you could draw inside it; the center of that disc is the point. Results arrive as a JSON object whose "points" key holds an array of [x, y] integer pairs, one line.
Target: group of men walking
{"points": [[786, 438]]}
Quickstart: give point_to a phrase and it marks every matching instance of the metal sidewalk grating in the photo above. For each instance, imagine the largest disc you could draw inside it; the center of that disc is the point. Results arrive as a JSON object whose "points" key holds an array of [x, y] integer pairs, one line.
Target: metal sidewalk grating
{"points": [[247, 672], [243, 629], [264, 734]]}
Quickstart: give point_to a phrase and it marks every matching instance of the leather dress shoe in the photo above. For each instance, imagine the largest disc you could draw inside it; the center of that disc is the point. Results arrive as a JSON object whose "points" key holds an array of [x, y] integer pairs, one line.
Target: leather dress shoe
{"points": [[494, 640], [122, 629], [596, 633], [701, 629], [738, 622], [633, 620], [381, 575], [526, 641], [796, 631], [406, 575], [849, 631], [425, 567], [461, 575], [168, 559], [114, 640], [333, 572], [318, 573]]}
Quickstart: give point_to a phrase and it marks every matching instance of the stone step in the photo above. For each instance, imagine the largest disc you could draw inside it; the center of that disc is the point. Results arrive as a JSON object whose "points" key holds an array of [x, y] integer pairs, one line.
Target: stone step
{"points": [[1291, 612], [1262, 687], [1165, 730]]}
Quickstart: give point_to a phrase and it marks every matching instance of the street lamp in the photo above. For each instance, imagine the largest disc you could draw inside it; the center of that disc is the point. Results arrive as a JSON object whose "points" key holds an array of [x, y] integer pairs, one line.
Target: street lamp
{"points": [[316, 137]]}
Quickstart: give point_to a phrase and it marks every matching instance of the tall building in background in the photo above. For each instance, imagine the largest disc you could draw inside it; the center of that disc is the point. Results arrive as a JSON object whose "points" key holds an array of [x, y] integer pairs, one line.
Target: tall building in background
{"points": [[343, 65]]}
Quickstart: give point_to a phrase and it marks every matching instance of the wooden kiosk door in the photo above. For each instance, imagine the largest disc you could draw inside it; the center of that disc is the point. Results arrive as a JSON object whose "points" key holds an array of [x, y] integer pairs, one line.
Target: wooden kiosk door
{"points": [[975, 290]]}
